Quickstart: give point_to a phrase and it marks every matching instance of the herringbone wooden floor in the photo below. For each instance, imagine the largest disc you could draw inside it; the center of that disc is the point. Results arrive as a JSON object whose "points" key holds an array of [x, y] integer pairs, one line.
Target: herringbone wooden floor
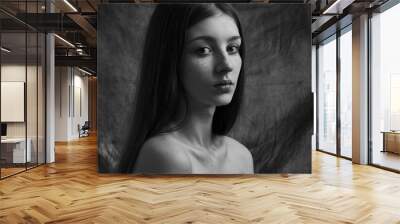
{"points": [[71, 191]]}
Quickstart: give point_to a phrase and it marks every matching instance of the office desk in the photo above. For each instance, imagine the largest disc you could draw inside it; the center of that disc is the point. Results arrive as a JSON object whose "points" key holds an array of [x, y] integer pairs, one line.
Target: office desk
{"points": [[13, 150], [391, 141]]}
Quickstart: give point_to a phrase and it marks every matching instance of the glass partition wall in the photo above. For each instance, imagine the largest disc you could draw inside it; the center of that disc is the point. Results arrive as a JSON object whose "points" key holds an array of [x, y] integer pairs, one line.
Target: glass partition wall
{"points": [[334, 84], [22, 99]]}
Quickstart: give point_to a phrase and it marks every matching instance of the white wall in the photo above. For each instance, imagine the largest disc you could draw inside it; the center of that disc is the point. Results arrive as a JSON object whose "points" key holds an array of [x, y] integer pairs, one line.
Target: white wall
{"points": [[12, 73], [61, 103], [33, 126], [80, 109], [71, 102], [16, 73]]}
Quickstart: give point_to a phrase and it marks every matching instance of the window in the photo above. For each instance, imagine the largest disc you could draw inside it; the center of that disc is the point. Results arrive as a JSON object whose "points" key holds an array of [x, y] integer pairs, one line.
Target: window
{"points": [[385, 88]]}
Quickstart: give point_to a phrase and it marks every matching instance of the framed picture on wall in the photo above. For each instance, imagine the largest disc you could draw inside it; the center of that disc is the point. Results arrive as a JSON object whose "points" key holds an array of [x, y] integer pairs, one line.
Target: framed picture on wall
{"points": [[208, 88], [12, 101]]}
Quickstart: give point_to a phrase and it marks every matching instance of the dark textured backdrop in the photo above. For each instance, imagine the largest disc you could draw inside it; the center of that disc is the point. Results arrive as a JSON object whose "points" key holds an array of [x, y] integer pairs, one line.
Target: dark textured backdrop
{"points": [[276, 119]]}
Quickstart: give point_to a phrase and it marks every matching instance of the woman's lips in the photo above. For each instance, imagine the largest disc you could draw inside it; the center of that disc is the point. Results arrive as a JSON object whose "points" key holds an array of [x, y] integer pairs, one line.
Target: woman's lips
{"points": [[224, 86]]}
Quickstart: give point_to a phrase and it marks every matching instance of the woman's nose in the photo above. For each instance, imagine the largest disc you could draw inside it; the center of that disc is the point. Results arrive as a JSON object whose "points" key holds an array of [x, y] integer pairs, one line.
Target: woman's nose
{"points": [[223, 64]]}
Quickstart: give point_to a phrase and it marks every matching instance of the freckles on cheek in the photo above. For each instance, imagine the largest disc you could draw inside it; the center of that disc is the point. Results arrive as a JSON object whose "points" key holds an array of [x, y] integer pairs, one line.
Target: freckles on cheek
{"points": [[199, 67], [197, 63], [238, 62], [238, 66]]}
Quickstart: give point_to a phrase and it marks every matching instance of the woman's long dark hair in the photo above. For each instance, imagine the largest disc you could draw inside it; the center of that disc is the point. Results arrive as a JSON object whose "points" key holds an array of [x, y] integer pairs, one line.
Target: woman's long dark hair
{"points": [[160, 91]]}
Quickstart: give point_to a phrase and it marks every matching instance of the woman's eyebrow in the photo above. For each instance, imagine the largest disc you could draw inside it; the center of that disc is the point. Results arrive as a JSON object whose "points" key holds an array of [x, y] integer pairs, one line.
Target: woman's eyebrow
{"points": [[234, 38], [211, 39]]}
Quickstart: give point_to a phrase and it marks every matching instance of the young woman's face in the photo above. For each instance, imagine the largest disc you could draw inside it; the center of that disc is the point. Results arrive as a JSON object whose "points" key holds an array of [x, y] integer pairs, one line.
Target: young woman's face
{"points": [[211, 61]]}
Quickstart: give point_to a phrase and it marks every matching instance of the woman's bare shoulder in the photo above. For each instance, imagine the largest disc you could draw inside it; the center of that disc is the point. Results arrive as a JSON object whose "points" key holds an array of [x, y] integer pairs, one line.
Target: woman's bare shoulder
{"points": [[236, 145], [162, 154], [241, 153]]}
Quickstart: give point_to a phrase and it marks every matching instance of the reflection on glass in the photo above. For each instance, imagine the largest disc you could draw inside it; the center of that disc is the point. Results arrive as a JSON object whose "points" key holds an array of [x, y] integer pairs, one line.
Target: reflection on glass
{"points": [[14, 151], [313, 89], [346, 94], [23, 89], [327, 96], [385, 87], [31, 101], [394, 102]]}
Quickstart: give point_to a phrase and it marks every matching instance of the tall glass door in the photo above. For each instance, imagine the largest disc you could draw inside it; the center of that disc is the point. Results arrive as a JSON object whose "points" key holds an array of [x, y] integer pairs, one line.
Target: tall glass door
{"points": [[327, 95], [345, 61]]}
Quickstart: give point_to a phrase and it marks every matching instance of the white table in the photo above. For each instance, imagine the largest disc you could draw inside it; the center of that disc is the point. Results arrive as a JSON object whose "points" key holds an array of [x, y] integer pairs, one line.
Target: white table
{"points": [[18, 149]]}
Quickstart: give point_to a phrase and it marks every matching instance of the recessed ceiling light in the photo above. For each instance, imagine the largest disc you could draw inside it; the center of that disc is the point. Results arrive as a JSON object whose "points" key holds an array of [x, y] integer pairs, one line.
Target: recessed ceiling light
{"points": [[64, 40], [338, 6], [86, 72]]}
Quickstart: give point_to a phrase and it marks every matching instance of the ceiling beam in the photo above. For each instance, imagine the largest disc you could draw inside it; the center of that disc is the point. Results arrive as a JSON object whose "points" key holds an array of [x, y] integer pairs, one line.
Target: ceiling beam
{"points": [[83, 23], [83, 61]]}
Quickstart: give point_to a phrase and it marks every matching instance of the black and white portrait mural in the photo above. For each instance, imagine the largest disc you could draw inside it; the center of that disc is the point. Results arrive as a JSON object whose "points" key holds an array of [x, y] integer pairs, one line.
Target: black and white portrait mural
{"points": [[210, 88]]}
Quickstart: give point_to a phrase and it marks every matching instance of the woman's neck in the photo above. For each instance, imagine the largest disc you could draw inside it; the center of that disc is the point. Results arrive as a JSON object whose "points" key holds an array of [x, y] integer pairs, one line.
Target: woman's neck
{"points": [[197, 127]]}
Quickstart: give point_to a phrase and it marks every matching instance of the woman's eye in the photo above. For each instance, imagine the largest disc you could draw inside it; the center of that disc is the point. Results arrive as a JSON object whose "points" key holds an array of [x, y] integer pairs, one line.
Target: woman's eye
{"points": [[203, 51], [233, 49]]}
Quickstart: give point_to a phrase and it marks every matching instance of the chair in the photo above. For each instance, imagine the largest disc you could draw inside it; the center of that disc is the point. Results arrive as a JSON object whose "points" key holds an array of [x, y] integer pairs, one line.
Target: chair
{"points": [[84, 130]]}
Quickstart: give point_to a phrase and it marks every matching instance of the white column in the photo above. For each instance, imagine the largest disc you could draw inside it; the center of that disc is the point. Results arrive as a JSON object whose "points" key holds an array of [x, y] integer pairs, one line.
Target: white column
{"points": [[50, 93], [360, 90]]}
